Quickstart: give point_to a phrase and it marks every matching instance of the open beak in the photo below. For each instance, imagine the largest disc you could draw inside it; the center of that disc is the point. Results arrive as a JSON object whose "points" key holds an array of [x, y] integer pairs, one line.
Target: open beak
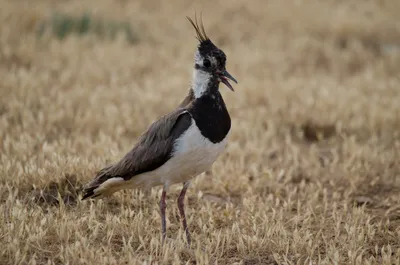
{"points": [[224, 76]]}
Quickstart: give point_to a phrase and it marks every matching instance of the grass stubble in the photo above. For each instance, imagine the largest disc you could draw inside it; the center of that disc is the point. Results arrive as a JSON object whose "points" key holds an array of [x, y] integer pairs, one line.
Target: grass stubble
{"points": [[311, 172]]}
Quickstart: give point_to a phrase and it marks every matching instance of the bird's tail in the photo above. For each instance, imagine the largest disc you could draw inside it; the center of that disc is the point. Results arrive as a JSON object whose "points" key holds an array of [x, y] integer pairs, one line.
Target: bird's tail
{"points": [[103, 184]]}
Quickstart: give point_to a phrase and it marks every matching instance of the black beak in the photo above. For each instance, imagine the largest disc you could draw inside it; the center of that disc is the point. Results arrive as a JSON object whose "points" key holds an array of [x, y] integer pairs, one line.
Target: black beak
{"points": [[224, 76]]}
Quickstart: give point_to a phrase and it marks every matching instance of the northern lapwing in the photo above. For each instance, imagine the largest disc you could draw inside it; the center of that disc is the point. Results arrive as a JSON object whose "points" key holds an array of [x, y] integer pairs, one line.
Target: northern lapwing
{"points": [[180, 145]]}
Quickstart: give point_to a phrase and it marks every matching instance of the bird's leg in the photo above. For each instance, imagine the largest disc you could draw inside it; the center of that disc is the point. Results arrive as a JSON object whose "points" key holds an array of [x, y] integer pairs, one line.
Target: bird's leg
{"points": [[181, 208], [163, 206]]}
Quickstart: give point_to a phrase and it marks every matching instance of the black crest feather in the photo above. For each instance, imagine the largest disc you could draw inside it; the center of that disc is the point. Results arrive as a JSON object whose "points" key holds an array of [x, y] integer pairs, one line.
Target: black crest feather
{"points": [[199, 27]]}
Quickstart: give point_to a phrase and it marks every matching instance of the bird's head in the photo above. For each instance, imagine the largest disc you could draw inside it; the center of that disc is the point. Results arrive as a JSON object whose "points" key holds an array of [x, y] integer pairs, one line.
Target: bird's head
{"points": [[209, 64]]}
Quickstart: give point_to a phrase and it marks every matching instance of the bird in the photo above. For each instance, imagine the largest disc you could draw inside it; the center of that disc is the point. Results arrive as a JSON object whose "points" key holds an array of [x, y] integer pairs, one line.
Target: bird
{"points": [[181, 144]]}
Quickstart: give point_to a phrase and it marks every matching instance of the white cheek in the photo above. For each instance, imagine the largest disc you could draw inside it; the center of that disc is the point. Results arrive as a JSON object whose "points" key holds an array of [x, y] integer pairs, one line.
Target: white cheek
{"points": [[198, 59]]}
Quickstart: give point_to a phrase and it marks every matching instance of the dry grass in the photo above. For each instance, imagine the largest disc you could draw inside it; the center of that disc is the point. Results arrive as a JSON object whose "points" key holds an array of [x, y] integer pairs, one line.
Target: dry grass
{"points": [[311, 174]]}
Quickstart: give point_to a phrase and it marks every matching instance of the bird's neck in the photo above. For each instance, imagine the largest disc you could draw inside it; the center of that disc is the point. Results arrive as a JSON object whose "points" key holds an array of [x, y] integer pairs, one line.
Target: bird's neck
{"points": [[203, 83]]}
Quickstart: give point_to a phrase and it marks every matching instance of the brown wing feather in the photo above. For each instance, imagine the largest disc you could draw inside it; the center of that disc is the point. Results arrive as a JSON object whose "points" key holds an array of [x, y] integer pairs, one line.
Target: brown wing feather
{"points": [[153, 149]]}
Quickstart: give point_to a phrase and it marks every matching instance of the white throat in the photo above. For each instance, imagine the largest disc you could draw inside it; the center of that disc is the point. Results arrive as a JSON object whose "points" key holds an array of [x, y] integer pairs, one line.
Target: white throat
{"points": [[200, 82]]}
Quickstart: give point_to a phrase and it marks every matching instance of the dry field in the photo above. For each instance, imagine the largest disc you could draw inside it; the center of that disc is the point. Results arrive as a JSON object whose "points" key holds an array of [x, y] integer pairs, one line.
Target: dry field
{"points": [[311, 174]]}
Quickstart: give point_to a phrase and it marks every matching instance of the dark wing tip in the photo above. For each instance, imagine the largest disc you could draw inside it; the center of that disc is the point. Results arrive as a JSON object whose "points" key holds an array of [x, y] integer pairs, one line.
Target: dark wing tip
{"points": [[87, 193], [101, 177]]}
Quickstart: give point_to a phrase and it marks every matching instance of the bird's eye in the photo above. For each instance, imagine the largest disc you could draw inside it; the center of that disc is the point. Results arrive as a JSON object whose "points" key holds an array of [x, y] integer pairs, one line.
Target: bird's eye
{"points": [[206, 63]]}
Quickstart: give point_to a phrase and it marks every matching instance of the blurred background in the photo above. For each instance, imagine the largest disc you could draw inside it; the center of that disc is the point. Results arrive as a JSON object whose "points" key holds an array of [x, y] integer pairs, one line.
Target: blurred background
{"points": [[315, 116], [314, 56]]}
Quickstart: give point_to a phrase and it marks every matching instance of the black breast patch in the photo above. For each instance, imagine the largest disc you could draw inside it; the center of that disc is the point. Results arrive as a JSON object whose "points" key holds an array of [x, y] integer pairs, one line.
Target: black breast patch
{"points": [[211, 116]]}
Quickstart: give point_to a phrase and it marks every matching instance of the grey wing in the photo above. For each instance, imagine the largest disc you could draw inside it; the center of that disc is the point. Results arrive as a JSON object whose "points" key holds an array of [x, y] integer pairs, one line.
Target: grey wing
{"points": [[154, 147]]}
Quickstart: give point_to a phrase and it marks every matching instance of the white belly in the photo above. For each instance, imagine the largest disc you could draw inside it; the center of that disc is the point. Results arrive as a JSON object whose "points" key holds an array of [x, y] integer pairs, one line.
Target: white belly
{"points": [[193, 154]]}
